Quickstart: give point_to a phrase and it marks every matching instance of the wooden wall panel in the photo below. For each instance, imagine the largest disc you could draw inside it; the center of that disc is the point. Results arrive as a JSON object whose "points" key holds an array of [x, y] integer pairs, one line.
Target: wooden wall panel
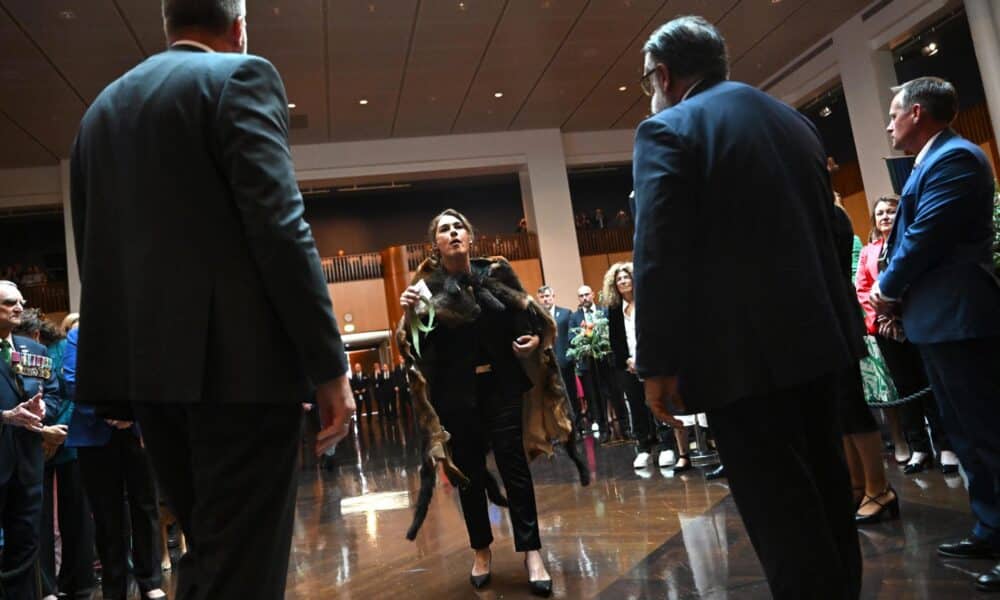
{"points": [[857, 209], [530, 273], [365, 300], [594, 268]]}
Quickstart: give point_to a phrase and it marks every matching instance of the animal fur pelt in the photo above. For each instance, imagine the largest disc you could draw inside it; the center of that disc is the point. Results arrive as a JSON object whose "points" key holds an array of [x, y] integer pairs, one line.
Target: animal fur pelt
{"points": [[546, 417]]}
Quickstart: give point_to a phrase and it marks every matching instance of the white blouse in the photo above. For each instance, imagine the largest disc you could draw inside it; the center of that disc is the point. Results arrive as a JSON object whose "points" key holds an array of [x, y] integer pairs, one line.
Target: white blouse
{"points": [[629, 328]]}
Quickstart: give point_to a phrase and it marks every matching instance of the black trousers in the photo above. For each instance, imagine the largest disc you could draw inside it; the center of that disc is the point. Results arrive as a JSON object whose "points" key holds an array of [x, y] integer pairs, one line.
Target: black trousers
{"points": [[112, 473], [230, 474], [21, 518], [643, 425], [495, 423], [966, 382], [599, 388], [76, 530], [910, 376], [785, 463]]}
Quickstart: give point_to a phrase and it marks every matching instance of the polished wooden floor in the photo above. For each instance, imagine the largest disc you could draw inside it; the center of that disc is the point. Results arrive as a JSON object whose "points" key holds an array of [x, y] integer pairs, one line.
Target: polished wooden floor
{"points": [[647, 534]]}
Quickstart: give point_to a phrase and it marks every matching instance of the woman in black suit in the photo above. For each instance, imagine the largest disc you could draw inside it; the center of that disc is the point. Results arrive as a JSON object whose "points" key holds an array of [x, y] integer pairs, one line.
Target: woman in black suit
{"points": [[476, 384]]}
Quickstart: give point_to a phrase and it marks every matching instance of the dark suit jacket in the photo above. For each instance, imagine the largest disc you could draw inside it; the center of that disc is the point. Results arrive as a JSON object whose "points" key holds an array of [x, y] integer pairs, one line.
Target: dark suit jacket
{"points": [[200, 277], [359, 385], [617, 337], [562, 317], [738, 289], [941, 263], [86, 428], [399, 380], [20, 449]]}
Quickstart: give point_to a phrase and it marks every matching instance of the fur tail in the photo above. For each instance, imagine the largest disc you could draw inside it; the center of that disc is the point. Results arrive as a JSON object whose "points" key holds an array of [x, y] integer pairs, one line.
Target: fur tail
{"points": [[574, 455], [428, 478], [493, 492]]}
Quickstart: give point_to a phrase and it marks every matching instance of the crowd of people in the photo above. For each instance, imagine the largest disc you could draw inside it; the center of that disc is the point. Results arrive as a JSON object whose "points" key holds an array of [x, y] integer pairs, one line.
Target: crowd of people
{"points": [[761, 332], [24, 276]]}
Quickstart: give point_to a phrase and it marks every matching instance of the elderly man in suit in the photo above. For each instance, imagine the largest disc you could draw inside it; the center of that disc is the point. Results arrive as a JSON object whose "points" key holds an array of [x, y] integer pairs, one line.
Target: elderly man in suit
{"points": [[939, 282], [208, 320], [547, 298], [29, 390], [741, 309]]}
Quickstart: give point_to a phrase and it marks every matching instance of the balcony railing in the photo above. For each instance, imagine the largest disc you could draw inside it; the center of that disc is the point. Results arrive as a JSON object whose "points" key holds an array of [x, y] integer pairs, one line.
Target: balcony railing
{"points": [[604, 241], [52, 297], [353, 267], [512, 246]]}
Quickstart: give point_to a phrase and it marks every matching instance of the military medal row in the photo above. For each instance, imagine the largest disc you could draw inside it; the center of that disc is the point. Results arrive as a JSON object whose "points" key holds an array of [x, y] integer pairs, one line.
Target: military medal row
{"points": [[31, 365]]}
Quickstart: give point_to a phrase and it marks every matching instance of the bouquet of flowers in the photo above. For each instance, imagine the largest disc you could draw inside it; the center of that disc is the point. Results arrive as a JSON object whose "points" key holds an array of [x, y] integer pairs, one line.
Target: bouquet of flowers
{"points": [[589, 340]]}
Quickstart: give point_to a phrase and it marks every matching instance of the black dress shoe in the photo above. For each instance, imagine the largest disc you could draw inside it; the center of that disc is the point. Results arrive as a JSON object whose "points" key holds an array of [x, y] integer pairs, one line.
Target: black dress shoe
{"points": [[917, 467], [949, 469], [478, 581], [970, 547], [887, 511], [989, 581], [539, 587], [687, 466], [717, 473]]}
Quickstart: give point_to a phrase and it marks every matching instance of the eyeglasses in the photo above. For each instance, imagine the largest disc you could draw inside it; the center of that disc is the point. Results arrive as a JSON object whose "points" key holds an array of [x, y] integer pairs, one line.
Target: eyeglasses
{"points": [[11, 302], [645, 83]]}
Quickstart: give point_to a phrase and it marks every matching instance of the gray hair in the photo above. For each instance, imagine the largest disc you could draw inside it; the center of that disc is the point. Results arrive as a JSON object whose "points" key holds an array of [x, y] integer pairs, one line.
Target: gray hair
{"points": [[544, 289], [935, 95], [690, 47], [215, 16]]}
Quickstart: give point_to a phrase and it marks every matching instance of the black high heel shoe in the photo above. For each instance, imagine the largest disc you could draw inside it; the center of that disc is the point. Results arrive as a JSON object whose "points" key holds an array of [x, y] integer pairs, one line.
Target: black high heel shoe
{"points": [[887, 511], [479, 581], [538, 587], [918, 467], [687, 466]]}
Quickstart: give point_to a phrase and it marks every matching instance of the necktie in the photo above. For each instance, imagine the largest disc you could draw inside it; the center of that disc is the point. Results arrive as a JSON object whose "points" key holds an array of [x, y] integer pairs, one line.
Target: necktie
{"points": [[5, 351]]}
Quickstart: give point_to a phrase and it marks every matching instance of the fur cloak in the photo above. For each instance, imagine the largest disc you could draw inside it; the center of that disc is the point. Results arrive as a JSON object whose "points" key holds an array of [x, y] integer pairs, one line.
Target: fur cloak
{"points": [[546, 411]]}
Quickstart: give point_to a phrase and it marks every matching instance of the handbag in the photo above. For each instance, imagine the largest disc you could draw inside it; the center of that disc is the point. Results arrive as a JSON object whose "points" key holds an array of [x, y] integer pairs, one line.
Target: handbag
{"points": [[879, 387]]}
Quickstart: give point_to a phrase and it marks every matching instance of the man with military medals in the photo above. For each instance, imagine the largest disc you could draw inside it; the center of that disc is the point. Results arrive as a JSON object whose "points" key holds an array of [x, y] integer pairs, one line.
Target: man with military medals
{"points": [[28, 388]]}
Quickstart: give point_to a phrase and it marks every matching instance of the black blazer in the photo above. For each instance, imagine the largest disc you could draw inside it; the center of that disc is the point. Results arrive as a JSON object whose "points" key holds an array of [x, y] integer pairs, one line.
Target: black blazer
{"points": [[617, 337], [399, 380], [738, 289], [20, 449], [562, 318], [200, 277]]}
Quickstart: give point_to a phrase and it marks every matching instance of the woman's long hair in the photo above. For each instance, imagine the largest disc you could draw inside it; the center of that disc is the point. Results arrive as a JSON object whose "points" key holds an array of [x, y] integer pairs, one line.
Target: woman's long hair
{"points": [[610, 296], [874, 234]]}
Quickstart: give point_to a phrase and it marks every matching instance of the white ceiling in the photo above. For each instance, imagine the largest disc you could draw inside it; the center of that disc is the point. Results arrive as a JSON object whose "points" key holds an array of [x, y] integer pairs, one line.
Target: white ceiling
{"points": [[426, 67]]}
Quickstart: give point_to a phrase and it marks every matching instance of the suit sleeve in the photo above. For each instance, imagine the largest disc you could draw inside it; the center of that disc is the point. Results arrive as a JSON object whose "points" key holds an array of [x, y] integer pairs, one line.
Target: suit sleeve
{"points": [[252, 144], [665, 208], [943, 206], [78, 201]]}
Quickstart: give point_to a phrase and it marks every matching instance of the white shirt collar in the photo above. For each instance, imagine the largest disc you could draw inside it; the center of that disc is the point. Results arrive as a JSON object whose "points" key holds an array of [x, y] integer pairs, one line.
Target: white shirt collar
{"points": [[926, 148], [691, 89], [192, 43]]}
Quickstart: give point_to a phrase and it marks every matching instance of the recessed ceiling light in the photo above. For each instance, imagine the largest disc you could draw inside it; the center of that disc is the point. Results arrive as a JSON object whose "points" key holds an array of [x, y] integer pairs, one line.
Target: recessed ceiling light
{"points": [[362, 102], [826, 111], [276, 11], [498, 94], [67, 15], [930, 49], [622, 88], [461, 6], [291, 105], [775, 1], [371, 8]]}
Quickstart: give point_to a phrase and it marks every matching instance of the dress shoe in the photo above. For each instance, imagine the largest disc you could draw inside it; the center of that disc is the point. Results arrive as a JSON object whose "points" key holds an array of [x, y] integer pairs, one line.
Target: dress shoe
{"points": [[539, 587], [949, 462], [918, 462], [717, 473], [686, 466], [970, 547], [478, 581], [989, 581], [888, 510], [666, 458]]}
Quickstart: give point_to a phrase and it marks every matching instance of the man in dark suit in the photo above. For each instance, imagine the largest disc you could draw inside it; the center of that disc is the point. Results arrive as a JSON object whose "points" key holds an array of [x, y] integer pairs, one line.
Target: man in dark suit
{"points": [[741, 308], [596, 376], [547, 298], [402, 385], [940, 281], [28, 390], [206, 308], [359, 386]]}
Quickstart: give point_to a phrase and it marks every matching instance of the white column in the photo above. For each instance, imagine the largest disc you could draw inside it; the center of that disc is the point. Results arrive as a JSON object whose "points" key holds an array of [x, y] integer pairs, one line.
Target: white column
{"points": [[984, 23], [526, 198], [550, 213], [866, 75], [72, 272]]}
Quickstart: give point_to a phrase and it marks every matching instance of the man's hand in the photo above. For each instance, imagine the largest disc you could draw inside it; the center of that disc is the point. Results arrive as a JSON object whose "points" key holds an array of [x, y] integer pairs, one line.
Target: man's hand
{"points": [[27, 414], [336, 407], [630, 365], [659, 391], [525, 344], [54, 435], [880, 303]]}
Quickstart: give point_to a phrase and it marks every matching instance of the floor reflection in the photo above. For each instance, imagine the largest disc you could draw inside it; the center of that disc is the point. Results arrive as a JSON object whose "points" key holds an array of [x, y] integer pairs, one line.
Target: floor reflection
{"points": [[647, 534]]}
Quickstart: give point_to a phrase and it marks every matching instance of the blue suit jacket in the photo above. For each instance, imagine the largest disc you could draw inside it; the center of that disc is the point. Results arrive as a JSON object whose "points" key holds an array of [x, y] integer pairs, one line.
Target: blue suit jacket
{"points": [[738, 288], [86, 429], [940, 261], [20, 449]]}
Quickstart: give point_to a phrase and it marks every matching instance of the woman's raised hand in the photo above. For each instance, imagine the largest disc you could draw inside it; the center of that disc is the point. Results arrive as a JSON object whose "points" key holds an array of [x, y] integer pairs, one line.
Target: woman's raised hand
{"points": [[410, 297]]}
